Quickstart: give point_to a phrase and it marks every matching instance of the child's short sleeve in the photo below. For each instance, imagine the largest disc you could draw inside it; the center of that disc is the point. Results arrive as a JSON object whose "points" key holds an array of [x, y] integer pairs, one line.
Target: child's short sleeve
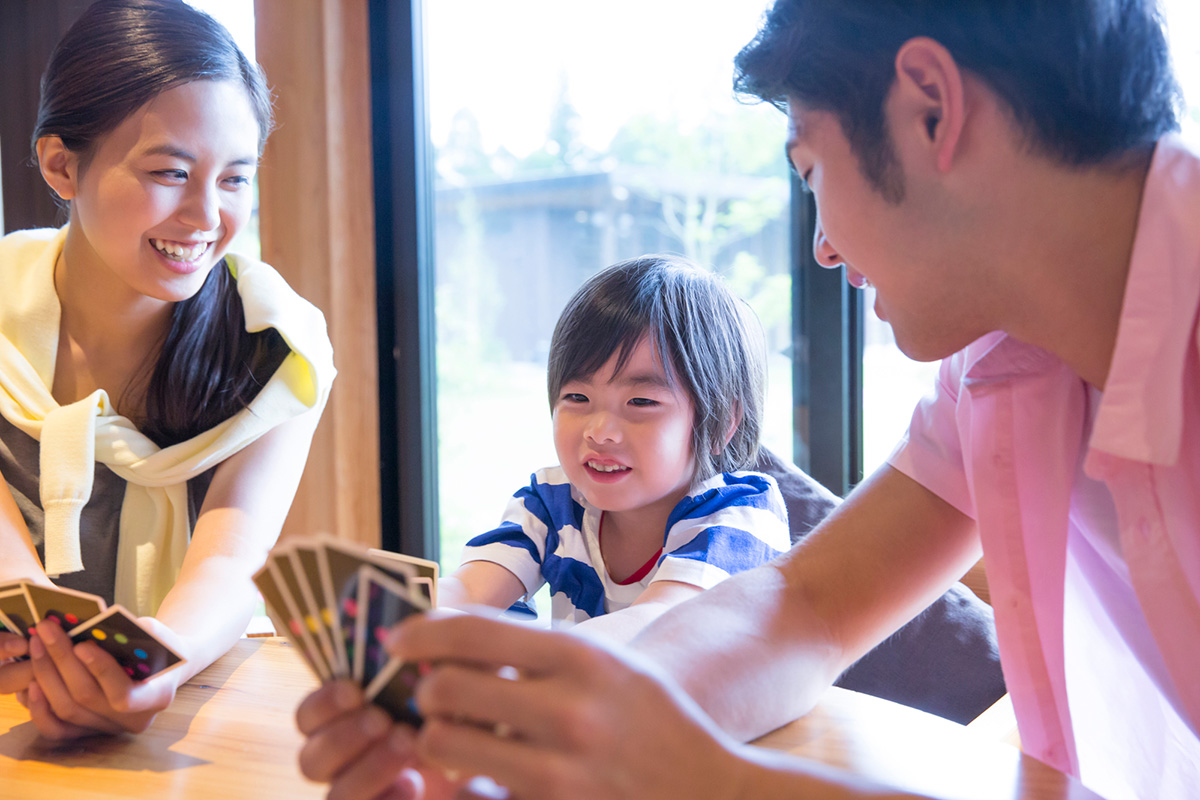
{"points": [[734, 522], [532, 518]]}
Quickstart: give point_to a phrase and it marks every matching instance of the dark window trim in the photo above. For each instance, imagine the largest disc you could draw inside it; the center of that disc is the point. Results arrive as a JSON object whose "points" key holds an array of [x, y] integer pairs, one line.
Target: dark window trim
{"points": [[404, 275], [827, 336]]}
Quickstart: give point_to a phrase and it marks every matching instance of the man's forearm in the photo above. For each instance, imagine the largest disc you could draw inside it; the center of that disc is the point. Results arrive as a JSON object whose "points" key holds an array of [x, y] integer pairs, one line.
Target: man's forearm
{"points": [[737, 649]]}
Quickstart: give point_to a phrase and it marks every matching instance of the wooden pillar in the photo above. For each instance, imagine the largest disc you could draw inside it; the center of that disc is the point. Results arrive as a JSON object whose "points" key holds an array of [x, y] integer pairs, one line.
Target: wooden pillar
{"points": [[28, 33], [317, 222]]}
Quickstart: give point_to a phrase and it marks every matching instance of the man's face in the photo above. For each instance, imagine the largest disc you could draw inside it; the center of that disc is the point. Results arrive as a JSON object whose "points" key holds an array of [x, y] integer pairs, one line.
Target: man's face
{"points": [[900, 248]]}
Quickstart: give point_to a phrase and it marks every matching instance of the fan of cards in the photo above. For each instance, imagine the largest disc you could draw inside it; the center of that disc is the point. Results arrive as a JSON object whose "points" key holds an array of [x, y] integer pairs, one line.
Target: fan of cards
{"points": [[335, 602], [86, 618]]}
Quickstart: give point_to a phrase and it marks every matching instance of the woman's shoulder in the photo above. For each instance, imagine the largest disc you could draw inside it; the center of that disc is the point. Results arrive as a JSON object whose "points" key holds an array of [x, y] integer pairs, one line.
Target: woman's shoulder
{"points": [[23, 247]]}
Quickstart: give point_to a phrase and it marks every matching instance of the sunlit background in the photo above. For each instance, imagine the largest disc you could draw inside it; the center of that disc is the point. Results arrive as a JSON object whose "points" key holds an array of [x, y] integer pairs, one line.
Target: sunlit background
{"points": [[569, 136]]}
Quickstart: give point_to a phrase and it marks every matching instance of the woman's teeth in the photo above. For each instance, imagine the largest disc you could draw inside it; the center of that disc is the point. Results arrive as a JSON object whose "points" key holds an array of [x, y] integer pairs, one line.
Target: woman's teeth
{"points": [[178, 251], [606, 467]]}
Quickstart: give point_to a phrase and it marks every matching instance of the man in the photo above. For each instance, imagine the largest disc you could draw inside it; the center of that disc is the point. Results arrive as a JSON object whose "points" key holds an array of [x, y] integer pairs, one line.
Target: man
{"points": [[1005, 175]]}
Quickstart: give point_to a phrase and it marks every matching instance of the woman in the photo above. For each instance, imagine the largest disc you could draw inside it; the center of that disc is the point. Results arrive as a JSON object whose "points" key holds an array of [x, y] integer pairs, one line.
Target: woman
{"points": [[157, 396]]}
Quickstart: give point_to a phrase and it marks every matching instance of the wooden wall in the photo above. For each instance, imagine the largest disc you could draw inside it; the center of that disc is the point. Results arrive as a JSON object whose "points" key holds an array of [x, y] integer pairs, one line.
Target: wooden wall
{"points": [[317, 221]]}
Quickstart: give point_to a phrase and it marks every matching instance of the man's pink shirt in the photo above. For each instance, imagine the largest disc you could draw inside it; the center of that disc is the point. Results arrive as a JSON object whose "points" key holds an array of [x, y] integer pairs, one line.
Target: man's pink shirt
{"points": [[1003, 438]]}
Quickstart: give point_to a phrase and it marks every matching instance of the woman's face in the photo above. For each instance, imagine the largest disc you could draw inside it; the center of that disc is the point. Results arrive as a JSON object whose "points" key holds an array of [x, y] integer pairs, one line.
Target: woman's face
{"points": [[164, 193]]}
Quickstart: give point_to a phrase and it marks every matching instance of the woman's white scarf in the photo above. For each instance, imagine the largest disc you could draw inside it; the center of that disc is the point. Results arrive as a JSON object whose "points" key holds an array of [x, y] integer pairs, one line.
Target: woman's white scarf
{"points": [[154, 524]]}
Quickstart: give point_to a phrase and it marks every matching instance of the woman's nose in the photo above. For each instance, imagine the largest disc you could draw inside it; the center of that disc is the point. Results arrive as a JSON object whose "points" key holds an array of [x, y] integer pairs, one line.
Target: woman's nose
{"points": [[201, 209], [823, 251]]}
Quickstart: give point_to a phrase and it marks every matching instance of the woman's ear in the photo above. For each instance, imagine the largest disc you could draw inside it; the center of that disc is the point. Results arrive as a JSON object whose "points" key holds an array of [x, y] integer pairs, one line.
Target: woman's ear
{"points": [[59, 166]]}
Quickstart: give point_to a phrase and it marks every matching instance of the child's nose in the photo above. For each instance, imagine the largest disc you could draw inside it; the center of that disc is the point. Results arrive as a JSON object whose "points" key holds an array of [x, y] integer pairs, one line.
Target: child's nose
{"points": [[603, 427]]}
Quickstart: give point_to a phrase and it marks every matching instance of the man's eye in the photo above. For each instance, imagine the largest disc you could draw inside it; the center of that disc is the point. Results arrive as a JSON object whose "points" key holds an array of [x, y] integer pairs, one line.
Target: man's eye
{"points": [[172, 174]]}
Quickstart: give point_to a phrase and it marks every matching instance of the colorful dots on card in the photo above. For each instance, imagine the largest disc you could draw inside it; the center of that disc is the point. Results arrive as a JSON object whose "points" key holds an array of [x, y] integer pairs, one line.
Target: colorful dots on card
{"points": [[121, 638], [143, 668], [140, 653], [294, 625], [129, 671], [327, 617], [71, 619], [311, 621], [380, 633], [99, 634], [350, 606]]}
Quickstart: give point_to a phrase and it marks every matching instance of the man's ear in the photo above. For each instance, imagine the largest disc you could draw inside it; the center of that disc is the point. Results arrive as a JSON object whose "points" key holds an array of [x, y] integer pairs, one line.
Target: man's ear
{"points": [[928, 101], [59, 166]]}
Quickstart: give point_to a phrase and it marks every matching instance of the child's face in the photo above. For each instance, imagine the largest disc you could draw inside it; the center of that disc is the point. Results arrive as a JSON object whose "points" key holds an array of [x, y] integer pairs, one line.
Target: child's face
{"points": [[166, 191], [625, 441]]}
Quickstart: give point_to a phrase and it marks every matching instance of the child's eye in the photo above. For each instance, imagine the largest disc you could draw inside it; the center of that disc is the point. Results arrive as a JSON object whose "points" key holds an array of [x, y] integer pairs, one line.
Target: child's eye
{"points": [[643, 402], [573, 397]]}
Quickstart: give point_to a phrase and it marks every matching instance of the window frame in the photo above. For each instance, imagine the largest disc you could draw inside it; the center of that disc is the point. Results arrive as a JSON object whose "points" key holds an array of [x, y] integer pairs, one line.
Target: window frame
{"points": [[827, 312]]}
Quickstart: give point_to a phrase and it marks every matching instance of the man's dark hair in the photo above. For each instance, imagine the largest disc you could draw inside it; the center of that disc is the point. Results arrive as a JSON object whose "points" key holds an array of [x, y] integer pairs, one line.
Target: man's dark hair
{"points": [[1086, 80], [709, 342]]}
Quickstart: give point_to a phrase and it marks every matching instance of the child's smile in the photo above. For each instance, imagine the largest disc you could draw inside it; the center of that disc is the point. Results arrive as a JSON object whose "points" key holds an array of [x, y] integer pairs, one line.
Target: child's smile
{"points": [[625, 439]]}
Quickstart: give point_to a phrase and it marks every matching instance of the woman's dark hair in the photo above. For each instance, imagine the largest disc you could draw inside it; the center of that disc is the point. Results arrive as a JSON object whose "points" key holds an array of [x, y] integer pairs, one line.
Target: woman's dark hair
{"points": [[708, 340], [118, 56], [1087, 80]]}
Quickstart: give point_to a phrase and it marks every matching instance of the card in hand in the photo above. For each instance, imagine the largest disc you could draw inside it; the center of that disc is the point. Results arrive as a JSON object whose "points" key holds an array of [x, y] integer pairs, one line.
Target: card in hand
{"points": [[68, 607], [277, 608], [382, 603], [338, 564], [300, 615], [423, 567], [139, 652], [15, 613], [305, 566]]}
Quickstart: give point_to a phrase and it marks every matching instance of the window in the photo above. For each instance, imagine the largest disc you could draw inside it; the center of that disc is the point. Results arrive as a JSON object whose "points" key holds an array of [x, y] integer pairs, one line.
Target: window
{"points": [[564, 141], [522, 159]]}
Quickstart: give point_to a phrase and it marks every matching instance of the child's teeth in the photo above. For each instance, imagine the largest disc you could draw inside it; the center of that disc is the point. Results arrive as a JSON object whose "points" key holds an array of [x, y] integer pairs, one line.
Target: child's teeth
{"points": [[606, 468]]}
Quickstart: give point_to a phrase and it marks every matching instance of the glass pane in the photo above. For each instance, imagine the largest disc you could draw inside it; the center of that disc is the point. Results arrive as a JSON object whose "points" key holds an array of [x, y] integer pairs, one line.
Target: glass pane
{"points": [[567, 140], [892, 383]]}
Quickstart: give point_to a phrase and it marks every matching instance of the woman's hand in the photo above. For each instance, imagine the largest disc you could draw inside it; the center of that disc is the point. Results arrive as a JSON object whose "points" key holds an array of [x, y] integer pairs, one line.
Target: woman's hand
{"points": [[14, 675], [80, 690]]}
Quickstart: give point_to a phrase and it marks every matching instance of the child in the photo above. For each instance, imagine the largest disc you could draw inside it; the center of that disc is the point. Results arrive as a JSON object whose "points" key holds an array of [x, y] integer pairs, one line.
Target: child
{"points": [[656, 391], [126, 341]]}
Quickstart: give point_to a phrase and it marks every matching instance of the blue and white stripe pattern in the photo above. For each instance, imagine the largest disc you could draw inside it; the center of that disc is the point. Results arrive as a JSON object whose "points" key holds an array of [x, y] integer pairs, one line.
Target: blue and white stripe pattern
{"points": [[550, 534]]}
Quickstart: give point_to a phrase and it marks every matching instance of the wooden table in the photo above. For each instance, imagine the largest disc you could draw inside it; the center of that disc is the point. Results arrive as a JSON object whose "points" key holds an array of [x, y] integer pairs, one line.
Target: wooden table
{"points": [[230, 735]]}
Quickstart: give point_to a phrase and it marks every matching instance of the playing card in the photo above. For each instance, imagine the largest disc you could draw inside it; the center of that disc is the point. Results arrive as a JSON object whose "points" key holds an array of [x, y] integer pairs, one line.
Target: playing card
{"points": [[424, 587], [264, 579], [15, 613], [297, 615], [138, 651], [392, 690], [307, 571], [68, 607], [338, 563], [383, 602], [423, 567]]}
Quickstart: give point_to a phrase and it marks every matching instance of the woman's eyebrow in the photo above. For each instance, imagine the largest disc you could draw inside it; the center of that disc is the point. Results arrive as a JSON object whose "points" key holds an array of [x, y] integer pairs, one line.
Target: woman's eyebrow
{"points": [[174, 151]]}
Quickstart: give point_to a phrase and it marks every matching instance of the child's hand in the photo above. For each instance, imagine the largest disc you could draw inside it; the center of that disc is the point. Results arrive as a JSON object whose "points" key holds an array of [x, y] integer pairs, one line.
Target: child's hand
{"points": [[80, 690]]}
